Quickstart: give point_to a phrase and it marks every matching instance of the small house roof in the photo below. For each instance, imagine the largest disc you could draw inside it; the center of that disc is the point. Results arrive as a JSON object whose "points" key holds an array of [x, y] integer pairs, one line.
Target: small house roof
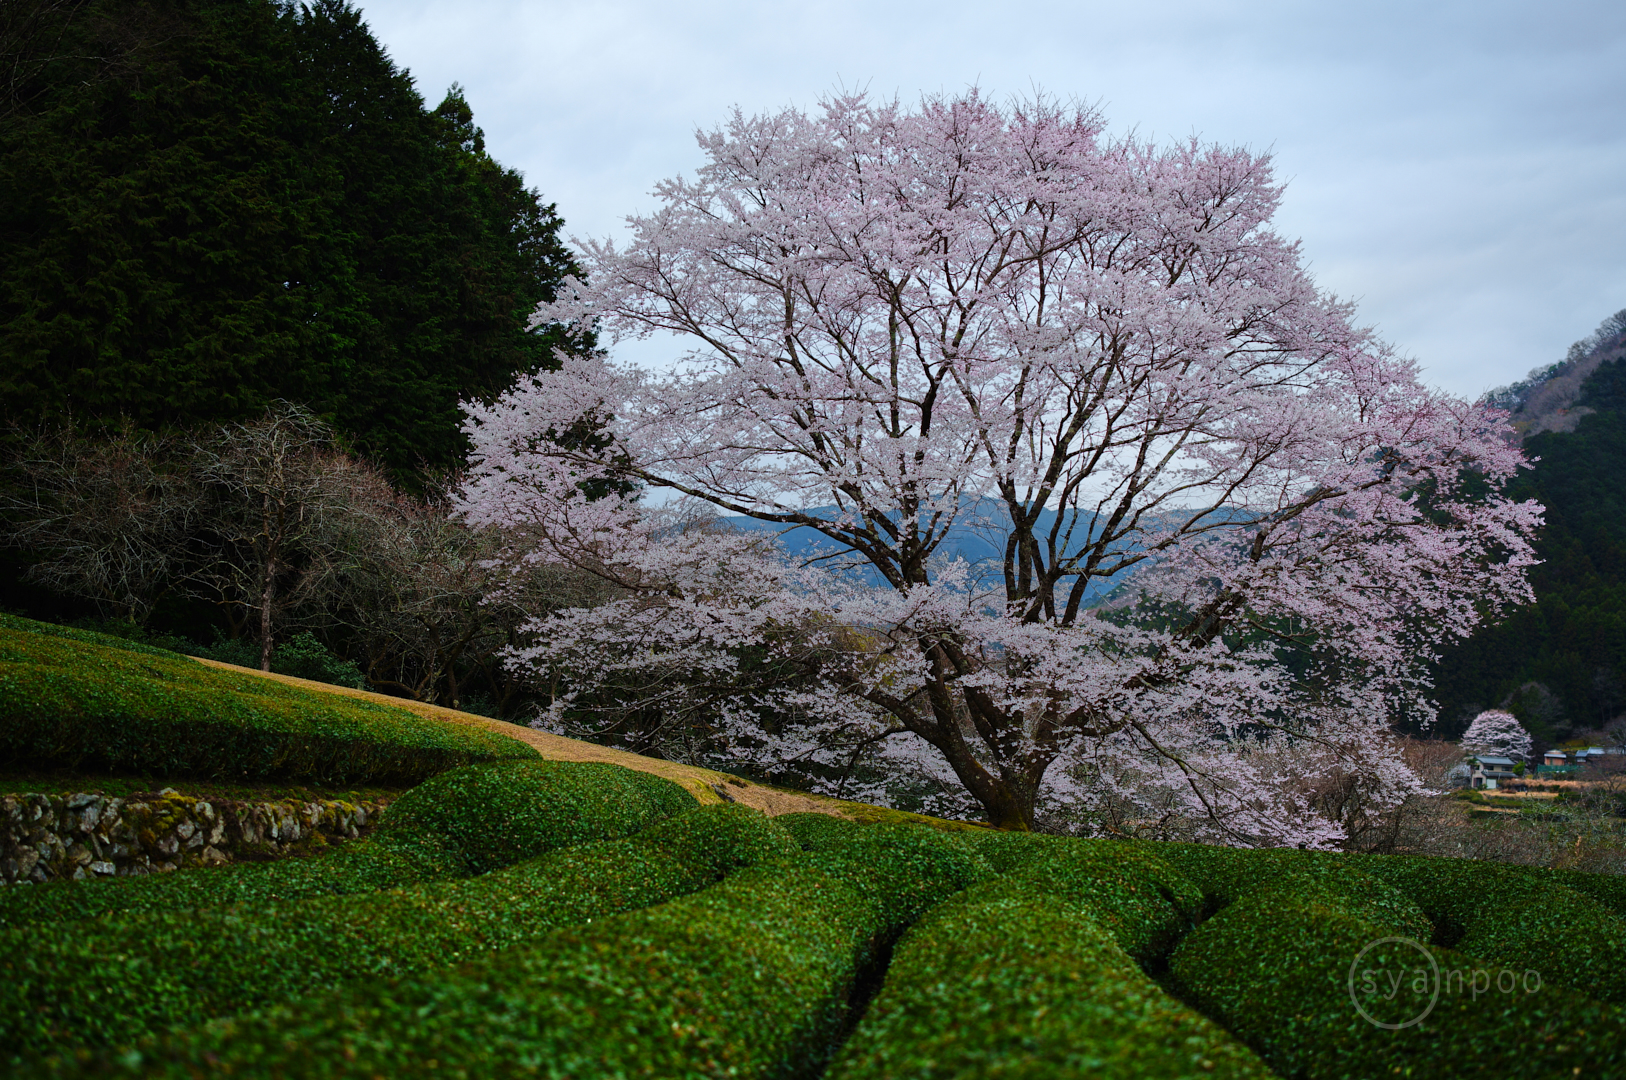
{"points": [[1488, 760]]}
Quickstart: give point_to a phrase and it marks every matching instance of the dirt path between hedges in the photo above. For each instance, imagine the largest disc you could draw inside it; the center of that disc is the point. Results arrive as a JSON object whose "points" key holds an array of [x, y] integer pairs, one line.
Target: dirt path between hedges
{"points": [[706, 785]]}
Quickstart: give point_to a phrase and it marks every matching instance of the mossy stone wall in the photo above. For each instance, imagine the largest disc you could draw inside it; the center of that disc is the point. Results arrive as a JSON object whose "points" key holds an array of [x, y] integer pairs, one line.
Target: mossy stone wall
{"points": [[85, 835]]}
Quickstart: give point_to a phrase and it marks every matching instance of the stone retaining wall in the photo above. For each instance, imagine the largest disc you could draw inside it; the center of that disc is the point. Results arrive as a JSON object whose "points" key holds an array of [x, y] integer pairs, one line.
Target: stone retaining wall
{"points": [[52, 837]]}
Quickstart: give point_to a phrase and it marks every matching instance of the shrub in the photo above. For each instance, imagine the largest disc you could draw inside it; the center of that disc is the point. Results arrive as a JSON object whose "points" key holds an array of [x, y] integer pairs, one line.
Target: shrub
{"points": [[905, 869], [497, 814], [1009, 982], [753, 977], [1145, 904], [1279, 969], [111, 982], [82, 699], [746, 979], [1607, 889], [1223, 874], [1519, 916], [301, 656], [815, 832], [462, 822], [1572, 939]]}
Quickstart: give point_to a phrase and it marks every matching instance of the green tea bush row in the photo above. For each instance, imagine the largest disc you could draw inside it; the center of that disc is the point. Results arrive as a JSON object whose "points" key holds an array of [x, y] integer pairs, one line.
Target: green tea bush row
{"points": [[1137, 897], [463, 822], [815, 832], [111, 982], [1290, 967], [1518, 918], [68, 698], [753, 977], [1005, 981]]}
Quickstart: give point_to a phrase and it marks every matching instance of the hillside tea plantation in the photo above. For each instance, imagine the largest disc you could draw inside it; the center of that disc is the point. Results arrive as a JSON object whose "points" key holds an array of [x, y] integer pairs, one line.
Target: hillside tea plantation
{"points": [[72, 697], [512, 916]]}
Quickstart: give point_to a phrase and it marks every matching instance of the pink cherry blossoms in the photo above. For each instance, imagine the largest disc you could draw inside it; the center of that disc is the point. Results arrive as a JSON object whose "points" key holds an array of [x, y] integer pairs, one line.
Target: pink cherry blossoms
{"points": [[1228, 527]]}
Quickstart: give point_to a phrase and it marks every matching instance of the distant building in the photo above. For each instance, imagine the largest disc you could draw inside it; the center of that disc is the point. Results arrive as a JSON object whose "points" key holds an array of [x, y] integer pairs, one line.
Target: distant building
{"points": [[1490, 772], [1555, 758]]}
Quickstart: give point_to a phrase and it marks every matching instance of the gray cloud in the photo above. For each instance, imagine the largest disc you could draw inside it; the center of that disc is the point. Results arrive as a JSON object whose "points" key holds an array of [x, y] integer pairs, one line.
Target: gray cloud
{"points": [[1457, 168]]}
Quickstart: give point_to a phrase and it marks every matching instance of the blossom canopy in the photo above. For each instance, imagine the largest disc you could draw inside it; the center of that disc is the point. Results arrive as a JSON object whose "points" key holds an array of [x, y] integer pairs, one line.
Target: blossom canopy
{"points": [[1222, 517]]}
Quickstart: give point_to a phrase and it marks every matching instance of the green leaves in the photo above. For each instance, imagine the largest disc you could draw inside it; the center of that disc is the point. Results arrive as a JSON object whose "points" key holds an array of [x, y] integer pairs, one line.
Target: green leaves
{"points": [[213, 205]]}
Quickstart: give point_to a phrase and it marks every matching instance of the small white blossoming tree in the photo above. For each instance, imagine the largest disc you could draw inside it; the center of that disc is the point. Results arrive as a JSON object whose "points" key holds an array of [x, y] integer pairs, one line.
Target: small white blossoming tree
{"points": [[1496, 733]]}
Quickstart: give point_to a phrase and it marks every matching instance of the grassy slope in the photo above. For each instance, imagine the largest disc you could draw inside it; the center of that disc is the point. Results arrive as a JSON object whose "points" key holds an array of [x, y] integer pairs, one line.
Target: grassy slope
{"points": [[73, 699]]}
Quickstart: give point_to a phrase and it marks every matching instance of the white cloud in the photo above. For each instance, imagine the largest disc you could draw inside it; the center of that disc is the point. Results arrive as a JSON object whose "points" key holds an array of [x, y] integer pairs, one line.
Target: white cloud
{"points": [[1456, 167]]}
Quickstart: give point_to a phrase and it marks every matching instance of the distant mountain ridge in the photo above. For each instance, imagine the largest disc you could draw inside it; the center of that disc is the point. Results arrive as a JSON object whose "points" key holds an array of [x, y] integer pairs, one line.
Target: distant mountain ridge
{"points": [[1548, 399], [1560, 663], [978, 536]]}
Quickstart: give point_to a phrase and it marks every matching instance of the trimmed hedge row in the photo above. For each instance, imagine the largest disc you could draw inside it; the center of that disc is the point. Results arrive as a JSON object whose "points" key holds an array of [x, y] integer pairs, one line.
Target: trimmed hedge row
{"points": [[462, 822], [1002, 981], [1225, 874], [1560, 923], [753, 977], [111, 982], [1289, 968], [1512, 916], [83, 700], [815, 832], [1142, 901]]}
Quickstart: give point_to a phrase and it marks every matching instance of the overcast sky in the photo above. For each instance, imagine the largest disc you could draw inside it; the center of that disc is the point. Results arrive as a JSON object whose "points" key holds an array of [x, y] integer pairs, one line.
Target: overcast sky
{"points": [[1459, 169]]}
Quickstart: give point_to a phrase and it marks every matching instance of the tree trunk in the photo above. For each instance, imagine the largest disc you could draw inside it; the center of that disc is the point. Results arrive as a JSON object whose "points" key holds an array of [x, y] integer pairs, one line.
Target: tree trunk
{"points": [[1008, 810], [267, 594], [1009, 797]]}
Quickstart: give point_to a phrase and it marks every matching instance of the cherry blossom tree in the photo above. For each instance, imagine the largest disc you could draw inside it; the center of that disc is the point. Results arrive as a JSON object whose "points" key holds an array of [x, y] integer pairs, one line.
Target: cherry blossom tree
{"points": [[1496, 732], [1227, 520]]}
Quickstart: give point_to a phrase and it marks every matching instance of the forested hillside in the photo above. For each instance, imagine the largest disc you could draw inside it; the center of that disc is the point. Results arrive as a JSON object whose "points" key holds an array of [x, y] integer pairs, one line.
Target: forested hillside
{"points": [[208, 205], [1560, 664]]}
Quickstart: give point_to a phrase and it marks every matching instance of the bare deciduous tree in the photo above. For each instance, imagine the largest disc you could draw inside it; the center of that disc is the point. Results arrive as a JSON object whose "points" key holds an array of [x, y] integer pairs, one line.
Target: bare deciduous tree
{"points": [[112, 516], [276, 485]]}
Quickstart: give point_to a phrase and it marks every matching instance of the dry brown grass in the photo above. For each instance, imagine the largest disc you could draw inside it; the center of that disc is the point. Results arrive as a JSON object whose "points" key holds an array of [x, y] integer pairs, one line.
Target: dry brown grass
{"points": [[706, 785]]}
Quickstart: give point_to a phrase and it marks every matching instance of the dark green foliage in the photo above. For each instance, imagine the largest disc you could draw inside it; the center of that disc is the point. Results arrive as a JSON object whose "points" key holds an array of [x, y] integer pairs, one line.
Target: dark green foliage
{"points": [[1587, 940], [815, 832], [113, 981], [301, 656], [753, 977], [1607, 889], [1223, 874], [209, 205], [1520, 917], [85, 636], [750, 978], [1007, 982], [72, 698], [1277, 968], [462, 822], [1572, 641], [495, 815]]}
